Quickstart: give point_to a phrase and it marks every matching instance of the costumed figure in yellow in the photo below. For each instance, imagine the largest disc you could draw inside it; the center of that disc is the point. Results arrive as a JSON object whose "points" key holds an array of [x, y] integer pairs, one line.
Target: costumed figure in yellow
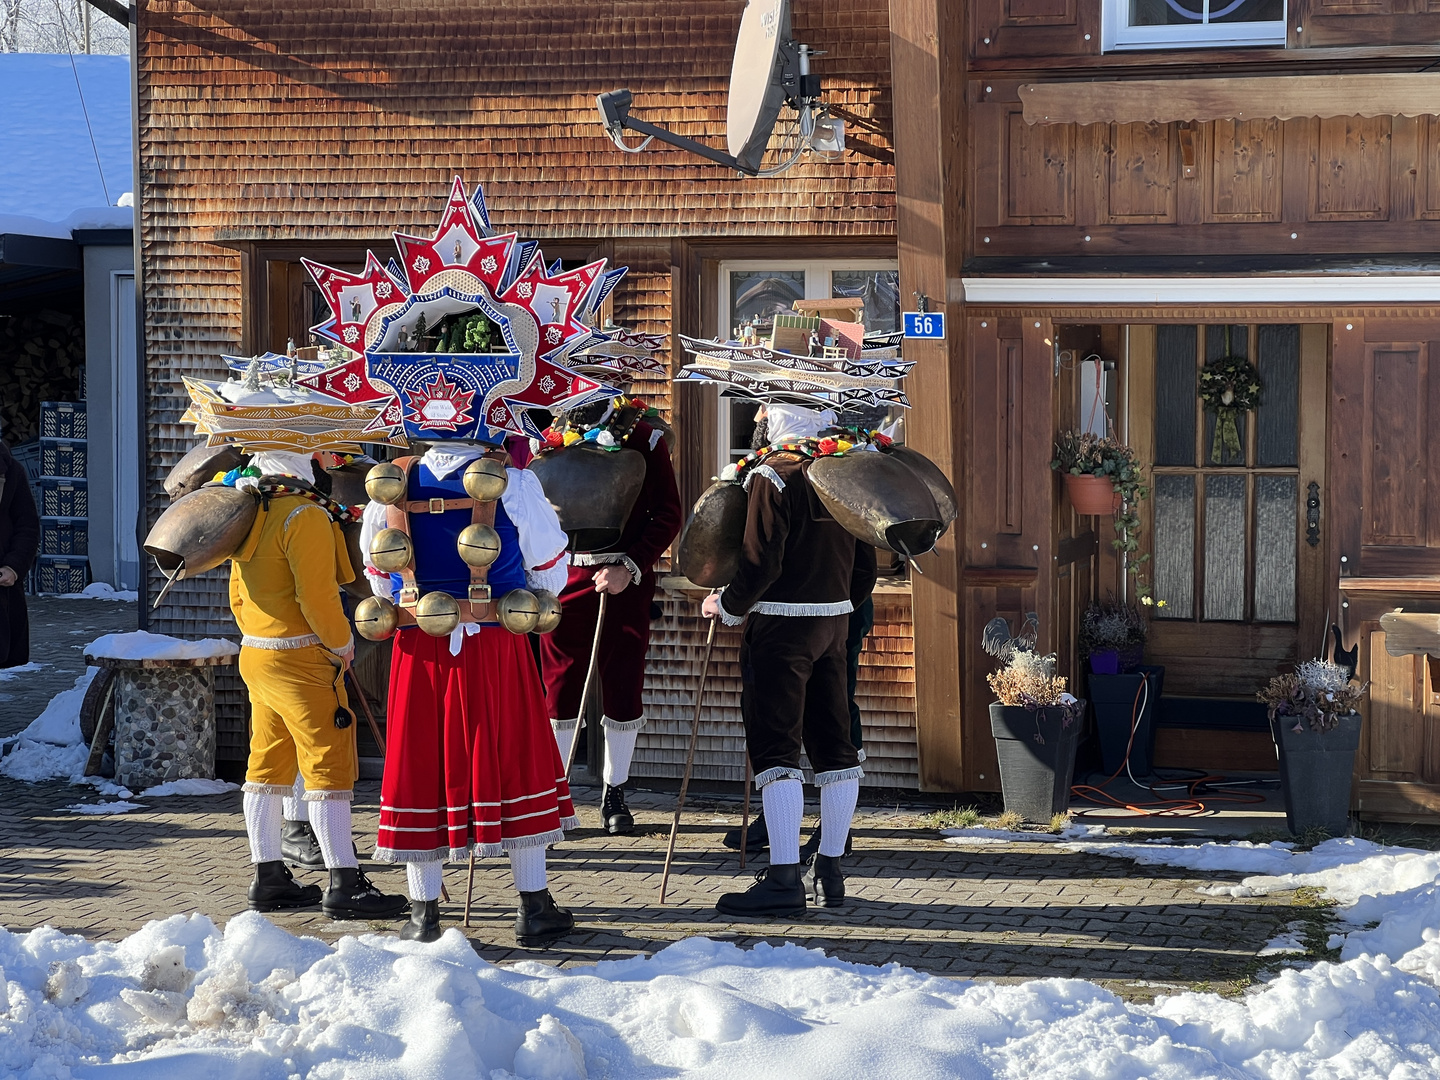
{"points": [[285, 593]]}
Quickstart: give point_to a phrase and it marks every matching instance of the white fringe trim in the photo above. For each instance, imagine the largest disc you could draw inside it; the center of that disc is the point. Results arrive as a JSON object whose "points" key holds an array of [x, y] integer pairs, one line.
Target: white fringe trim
{"points": [[655, 436], [565, 725], [568, 823], [311, 795], [608, 558], [860, 755], [481, 851], [779, 772], [776, 607], [280, 644], [545, 839], [725, 616], [835, 776], [765, 471], [394, 855], [252, 788], [622, 725]]}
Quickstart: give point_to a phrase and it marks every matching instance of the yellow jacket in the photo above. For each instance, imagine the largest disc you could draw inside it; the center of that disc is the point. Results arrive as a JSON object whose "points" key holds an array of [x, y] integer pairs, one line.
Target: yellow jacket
{"points": [[285, 579]]}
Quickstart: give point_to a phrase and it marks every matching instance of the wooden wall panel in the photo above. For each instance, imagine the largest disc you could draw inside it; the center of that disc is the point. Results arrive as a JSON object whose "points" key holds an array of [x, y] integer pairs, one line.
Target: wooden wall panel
{"points": [[1393, 734], [1394, 492], [1352, 173], [1013, 28], [1245, 171], [1142, 173], [1040, 174]]}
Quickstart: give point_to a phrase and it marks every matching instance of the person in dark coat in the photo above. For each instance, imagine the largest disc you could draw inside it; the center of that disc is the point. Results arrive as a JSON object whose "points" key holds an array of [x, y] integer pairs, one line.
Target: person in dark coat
{"points": [[19, 539]]}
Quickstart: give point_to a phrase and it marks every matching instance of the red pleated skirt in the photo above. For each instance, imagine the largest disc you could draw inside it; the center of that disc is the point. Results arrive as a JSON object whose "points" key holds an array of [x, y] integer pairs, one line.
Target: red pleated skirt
{"points": [[471, 761]]}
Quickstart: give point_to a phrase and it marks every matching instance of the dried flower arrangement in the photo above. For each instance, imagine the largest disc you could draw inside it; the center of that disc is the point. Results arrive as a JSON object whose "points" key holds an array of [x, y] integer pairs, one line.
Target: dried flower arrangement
{"points": [[1029, 680], [1317, 694]]}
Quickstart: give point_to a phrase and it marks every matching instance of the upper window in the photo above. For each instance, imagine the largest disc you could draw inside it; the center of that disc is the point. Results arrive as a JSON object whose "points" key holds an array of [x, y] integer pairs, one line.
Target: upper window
{"points": [[1192, 24]]}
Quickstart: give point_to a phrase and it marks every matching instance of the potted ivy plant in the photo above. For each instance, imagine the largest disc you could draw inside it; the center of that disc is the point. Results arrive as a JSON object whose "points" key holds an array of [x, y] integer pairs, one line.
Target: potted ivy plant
{"points": [[1103, 477], [1123, 693], [1036, 725], [1315, 721]]}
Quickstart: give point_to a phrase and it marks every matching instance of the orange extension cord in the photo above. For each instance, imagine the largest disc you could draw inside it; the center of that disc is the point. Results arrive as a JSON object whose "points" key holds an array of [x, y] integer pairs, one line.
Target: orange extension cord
{"points": [[1191, 806]]}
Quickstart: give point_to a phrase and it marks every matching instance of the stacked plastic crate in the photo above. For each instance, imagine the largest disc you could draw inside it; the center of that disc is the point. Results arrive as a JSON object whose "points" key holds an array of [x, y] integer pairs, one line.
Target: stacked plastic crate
{"points": [[63, 566]]}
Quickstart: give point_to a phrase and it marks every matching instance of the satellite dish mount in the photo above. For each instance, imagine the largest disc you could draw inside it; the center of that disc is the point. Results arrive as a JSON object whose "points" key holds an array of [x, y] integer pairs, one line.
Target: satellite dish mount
{"points": [[771, 70]]}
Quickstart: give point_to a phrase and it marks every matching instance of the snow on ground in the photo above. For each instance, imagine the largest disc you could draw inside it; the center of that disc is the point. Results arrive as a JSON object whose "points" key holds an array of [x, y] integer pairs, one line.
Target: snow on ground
{"points": [[101, 590], [143, 645], [194, 786], [181, 999], [6, 674], [121, 807]]}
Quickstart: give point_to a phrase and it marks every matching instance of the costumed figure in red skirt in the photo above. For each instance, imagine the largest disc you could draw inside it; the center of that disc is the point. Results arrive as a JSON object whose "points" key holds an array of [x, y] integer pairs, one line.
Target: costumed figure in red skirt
{"points": [[625, 570]]}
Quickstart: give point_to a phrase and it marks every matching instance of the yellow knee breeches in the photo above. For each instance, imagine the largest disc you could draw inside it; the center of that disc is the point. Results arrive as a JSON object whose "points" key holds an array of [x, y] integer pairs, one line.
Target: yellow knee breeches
{"points": [[293, 697]]}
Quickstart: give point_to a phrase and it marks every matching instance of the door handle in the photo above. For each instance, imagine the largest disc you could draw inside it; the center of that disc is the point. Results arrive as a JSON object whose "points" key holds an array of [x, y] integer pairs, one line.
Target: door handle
{"points": [[1312, 515]]}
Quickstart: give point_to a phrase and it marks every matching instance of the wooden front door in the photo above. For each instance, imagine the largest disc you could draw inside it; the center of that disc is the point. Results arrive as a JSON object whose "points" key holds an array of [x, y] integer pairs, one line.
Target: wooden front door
{"points": [[1234, 558]]}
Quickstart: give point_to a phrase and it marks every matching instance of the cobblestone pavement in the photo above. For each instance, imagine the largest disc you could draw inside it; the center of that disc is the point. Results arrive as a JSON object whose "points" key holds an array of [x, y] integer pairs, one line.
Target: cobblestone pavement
{"points": [[1005, 912]]}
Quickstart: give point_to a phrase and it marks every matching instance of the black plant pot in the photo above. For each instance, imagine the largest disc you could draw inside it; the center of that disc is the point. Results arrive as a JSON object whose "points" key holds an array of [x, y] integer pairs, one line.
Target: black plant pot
{"points": [[1115, 699], [1036, 749], [1315, 772]]}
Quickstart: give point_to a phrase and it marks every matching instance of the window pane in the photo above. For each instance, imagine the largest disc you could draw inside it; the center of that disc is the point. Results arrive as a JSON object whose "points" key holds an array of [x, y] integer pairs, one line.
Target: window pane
{"points": [[760, 294], [1277, 418], [1276, 507], [742, 426], [1174, 560], [1175, 377], [880, 290], [1166, 12], [1218, 344], [1225, 547], [1233, 11]]}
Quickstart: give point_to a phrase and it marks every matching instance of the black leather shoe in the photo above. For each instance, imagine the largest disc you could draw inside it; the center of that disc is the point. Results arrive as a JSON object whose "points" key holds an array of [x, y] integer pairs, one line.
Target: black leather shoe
{"points": [[351, 895], [539, 921], [618, 819], [777, 893], [275, 889], [424, 924], [299, 846], [811, 847], [828, 884], [756, 840]]}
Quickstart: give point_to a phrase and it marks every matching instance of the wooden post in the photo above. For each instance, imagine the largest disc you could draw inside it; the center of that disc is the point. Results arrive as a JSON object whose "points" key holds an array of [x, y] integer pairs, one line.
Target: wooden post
{"points": [[927, 58]]}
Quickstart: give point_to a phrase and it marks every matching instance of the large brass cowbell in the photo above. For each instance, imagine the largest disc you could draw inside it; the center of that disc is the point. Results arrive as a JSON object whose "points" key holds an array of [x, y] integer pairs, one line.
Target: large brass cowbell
{"points": [[485, 479], [437, 613], [479, 544], [376, 618], [391, 551], [385, 483]]}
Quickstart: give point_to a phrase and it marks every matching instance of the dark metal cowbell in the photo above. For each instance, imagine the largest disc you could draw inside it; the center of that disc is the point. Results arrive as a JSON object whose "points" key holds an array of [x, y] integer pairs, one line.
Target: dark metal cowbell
{"points": [[709, 549], [201, 530], [878, 499], [199, 466], [592, 490], [938, 483]]}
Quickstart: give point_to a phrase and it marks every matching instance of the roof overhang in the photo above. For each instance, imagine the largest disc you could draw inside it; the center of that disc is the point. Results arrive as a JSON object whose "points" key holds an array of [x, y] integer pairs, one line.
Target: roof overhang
{"points": [[1281, 97], [49, 252]]}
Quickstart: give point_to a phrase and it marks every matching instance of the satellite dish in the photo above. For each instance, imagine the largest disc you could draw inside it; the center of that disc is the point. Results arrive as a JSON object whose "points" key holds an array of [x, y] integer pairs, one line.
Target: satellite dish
{"points": [[764, 63]]}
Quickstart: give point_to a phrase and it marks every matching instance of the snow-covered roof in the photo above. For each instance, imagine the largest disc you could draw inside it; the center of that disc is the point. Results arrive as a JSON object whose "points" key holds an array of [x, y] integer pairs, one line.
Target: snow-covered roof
{"points": [[48, 170]]}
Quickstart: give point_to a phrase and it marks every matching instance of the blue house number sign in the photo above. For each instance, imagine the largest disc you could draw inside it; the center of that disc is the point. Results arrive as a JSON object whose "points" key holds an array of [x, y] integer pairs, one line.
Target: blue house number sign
{"points": [[925, 324]]}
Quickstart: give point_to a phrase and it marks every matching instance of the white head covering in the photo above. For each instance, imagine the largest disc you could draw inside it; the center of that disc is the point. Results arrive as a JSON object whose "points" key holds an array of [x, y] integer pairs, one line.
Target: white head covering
{"points": [[790, 422], [283, 463]]}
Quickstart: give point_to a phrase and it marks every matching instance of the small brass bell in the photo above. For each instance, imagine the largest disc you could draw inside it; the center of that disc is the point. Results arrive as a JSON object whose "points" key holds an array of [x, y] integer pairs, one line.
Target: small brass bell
{"points": [[385, 483], [375, 618], [479, 544], [391, 550], [518, 611], [549, 605], [437, 613], [485, 479]]}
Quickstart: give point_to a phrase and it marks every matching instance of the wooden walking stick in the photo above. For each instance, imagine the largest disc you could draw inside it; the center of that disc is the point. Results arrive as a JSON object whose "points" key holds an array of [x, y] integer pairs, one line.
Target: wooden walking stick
{"points": [[589, 675], [369, 716], [469, 887], [745, 811], [689, 758]]}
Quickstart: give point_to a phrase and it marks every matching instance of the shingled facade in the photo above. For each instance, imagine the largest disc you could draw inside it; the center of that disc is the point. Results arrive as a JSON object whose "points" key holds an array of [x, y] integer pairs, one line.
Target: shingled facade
{"points": [[274, 130]]}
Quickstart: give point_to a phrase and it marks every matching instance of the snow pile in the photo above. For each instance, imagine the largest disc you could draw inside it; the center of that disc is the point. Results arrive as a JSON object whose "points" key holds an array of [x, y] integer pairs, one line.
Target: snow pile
{"points": [[188, 1001], [6, 674], [143, 645], [51, 746], [104, 807], [100, 590], [194, 786]]}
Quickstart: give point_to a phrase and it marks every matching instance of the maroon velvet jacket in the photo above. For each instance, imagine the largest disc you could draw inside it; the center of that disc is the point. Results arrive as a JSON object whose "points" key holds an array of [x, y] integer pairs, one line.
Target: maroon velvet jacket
{"points": [[655, 521]]}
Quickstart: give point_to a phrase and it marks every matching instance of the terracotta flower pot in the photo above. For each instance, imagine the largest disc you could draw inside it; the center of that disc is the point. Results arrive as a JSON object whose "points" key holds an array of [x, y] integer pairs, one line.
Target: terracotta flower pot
{"points": [[1092, 495]]}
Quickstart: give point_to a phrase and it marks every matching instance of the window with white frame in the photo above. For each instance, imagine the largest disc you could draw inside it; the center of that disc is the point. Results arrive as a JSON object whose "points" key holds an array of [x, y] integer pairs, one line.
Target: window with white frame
{"points": [[754, 292], [1191, 24]]}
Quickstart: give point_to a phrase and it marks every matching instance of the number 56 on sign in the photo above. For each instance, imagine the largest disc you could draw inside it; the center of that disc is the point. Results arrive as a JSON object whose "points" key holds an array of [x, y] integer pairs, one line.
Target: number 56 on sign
{"points": [[925, 324]]}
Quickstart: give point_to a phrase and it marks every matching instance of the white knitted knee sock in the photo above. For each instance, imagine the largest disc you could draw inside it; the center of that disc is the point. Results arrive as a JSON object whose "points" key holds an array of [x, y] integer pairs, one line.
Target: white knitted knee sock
{"points": [[262, 826], [528, 866], [619, 750], [564, 737], [784, 802], [424, 879], [295, 808], [837, 810], [330, 818]]}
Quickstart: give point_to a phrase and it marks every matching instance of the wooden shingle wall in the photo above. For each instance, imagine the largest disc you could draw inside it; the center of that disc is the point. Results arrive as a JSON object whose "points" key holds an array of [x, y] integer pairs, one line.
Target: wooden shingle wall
{"points": [[269, 121]]}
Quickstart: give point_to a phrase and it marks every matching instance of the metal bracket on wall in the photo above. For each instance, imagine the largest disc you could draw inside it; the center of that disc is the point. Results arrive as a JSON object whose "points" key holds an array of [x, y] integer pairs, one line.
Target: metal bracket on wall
{"points": [[1312, 515], [1187, 149]]}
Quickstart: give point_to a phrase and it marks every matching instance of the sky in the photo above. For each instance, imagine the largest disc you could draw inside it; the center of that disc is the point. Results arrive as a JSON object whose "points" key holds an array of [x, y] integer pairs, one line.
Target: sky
{"points": [[47, 164]]}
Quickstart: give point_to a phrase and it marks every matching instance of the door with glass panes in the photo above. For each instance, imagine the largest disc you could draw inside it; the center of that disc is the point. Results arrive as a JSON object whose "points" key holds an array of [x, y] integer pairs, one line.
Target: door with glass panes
{"points": [[1234, 526], [754, 292]]}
